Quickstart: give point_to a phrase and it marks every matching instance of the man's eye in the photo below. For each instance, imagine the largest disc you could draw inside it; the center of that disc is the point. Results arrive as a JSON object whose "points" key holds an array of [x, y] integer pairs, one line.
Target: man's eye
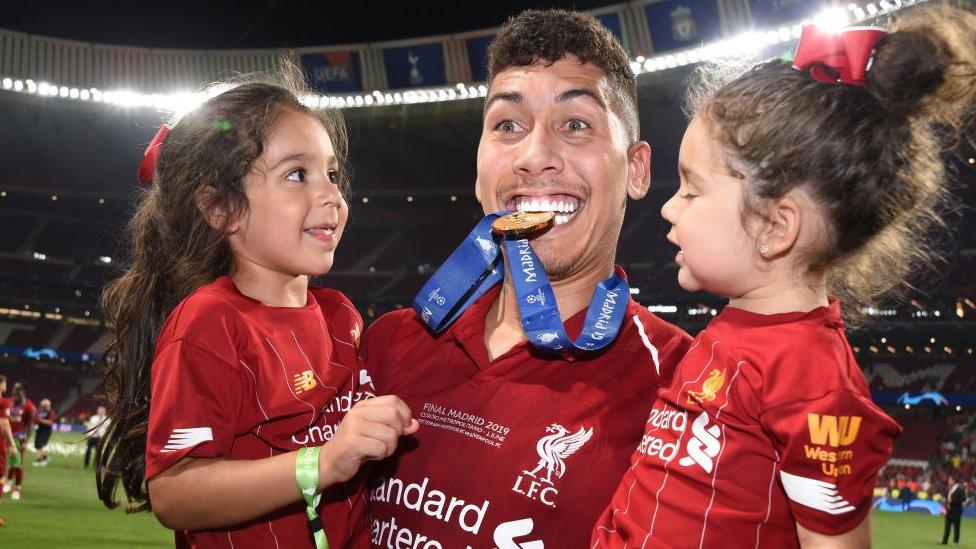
{"points": [[507, 126], [576, 125], [296, 175]]}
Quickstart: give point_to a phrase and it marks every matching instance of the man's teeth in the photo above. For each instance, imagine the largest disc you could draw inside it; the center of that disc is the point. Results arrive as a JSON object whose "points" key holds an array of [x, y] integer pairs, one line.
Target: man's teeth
{"points": [[564, 210]]}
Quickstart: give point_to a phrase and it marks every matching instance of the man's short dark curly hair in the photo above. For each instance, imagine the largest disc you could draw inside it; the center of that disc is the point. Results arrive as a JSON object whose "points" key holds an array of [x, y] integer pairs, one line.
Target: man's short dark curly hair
{"points": [[535, 36]]}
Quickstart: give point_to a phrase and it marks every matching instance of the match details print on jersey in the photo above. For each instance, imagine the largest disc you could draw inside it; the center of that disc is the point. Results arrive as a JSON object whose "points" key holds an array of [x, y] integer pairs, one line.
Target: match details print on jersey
{"points": [[539, 481]]}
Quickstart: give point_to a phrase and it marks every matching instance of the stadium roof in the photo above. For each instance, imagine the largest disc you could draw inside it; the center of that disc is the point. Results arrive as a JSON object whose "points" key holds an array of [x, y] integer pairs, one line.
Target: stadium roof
{"points": [[261, 24]]}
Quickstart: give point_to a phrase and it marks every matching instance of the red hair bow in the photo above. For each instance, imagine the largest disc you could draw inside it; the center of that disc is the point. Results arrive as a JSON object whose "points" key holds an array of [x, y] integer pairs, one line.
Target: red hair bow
{"points": [[833, 57], [148, 165]]}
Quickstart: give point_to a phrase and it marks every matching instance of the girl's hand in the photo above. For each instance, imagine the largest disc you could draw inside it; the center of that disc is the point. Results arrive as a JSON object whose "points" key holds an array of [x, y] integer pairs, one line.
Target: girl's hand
{"points": [[370, 431]]}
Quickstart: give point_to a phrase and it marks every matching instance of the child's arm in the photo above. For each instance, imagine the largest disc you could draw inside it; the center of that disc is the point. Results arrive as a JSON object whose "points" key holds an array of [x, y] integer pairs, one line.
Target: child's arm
{"points": [[205, 493], [859, 537]]}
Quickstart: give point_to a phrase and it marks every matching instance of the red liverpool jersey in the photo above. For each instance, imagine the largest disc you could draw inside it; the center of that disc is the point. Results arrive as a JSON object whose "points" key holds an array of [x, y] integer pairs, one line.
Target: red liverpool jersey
{"points": [[4, 414], [525, 447], [768, 421], [237, 379], [22, 416]]}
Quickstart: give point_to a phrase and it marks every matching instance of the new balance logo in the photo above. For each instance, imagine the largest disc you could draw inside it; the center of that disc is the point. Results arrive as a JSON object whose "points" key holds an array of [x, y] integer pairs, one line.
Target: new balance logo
{"points": [[703, 445], [833, 430], [304, 382], [187, 438], [815, 494], [506, 532], [364, 377]]}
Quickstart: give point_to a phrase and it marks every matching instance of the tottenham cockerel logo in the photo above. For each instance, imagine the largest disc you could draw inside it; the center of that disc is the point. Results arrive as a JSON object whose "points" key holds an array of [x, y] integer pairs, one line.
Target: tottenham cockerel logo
{"points": [[553, 449]]}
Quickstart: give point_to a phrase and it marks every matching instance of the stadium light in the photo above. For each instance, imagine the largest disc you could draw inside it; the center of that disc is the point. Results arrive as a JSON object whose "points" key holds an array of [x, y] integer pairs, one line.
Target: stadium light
{"points": [[833, 19]]}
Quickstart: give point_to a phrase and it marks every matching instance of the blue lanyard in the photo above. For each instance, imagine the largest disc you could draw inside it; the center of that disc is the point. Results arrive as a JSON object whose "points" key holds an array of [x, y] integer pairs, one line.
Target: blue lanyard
{"points": [[477, 265]]}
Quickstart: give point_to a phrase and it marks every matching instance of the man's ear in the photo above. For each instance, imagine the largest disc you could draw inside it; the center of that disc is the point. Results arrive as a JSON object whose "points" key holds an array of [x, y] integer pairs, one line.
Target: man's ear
{"points": [[781, 228], [638, 170], [215, 214]]}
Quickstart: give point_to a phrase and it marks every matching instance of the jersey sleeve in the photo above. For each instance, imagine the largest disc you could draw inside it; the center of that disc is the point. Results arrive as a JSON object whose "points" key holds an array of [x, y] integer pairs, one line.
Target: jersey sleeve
{"points": [[196, 400], [831, 449]]}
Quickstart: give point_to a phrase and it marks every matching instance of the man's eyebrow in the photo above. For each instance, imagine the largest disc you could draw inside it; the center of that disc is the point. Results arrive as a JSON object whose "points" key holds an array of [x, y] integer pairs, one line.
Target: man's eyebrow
{"points": [[574, 93], [514, 97]]}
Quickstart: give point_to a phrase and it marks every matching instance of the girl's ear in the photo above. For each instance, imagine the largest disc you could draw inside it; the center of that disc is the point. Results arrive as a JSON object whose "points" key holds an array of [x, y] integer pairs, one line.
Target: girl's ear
{"points": [[781, 228], [215, 214]]}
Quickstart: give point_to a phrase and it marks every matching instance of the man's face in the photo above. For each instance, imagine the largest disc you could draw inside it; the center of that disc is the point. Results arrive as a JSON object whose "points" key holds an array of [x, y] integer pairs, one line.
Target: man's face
{"points": [[550, 142], [100, 410]]}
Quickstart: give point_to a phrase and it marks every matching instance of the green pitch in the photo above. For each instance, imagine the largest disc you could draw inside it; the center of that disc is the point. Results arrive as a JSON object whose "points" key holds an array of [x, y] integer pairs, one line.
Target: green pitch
{"points": [[59, 509]]}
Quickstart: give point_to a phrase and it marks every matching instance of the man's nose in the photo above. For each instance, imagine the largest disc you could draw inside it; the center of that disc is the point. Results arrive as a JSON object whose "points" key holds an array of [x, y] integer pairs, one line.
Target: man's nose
{"points": [[538, 153]]}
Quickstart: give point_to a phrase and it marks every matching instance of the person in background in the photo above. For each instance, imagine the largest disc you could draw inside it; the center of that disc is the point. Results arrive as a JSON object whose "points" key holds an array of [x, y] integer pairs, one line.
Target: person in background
{"points": [[46, 416], [23, 414], [906, 497], [955, 499], [97, 426], [7, 436]]}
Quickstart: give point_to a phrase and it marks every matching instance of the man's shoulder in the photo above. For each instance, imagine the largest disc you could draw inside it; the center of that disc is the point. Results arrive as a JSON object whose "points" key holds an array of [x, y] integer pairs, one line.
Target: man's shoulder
{"points": [[383, 329], [652, 326]]}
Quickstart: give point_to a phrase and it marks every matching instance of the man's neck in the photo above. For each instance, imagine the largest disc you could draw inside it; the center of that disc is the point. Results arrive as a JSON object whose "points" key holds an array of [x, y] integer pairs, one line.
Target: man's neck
{"points": [[503, 324]]}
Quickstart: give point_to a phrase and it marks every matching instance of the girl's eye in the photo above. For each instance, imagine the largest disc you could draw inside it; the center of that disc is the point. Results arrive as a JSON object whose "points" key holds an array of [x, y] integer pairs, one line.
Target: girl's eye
{"points": [[334, 176], [576, 125], [296, 175], [688, 196]]}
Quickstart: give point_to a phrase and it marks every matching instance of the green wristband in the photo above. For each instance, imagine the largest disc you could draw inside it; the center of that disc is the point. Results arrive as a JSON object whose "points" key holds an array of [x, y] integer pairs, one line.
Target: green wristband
{"points": [[307, 477]]}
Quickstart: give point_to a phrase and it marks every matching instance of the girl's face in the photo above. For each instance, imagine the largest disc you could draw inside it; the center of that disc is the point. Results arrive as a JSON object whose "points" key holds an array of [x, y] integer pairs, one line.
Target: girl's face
{"points": [[716, 253], [296, 212]]}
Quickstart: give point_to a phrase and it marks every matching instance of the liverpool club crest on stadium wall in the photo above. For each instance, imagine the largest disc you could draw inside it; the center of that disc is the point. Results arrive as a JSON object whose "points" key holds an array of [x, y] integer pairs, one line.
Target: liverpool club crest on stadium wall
{"points": [[683, 25]]}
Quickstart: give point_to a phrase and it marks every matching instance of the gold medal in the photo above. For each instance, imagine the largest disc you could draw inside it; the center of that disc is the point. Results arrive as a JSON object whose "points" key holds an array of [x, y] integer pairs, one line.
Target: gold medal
{"points": [[523, 223]]}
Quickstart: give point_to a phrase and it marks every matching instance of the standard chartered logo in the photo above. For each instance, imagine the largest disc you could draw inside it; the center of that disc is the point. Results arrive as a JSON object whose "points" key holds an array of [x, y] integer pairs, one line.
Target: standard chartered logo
{"points": [[506, 532], [703, 445]]}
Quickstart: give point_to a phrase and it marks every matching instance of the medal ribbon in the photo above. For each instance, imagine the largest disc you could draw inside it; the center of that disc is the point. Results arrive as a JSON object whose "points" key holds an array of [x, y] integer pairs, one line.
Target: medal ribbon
{"points": [[476, 266]]}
